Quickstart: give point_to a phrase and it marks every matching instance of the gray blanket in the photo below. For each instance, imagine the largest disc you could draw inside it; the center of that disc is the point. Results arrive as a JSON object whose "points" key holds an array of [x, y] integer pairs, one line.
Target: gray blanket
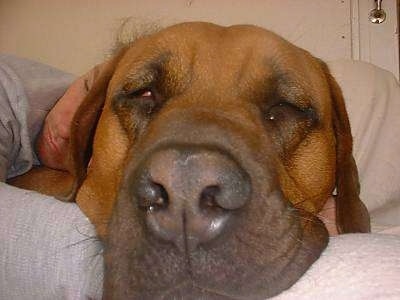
{"points": [[48, 249]]}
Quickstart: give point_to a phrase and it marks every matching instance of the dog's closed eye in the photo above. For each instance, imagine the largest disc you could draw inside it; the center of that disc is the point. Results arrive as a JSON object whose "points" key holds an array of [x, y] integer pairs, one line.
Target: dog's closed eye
{"points": [[289, 124], [135, 107], [284, 111], [145, 100], [142, 94]]}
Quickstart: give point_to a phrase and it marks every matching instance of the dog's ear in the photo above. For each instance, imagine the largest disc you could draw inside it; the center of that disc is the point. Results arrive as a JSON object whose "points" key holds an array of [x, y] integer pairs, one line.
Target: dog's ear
{"points": [[351, 213], [84, 125]]}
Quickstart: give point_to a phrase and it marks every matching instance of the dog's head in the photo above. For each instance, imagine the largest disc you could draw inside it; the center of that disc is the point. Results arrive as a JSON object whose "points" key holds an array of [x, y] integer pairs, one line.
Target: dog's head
{"points": [[215, 148]]}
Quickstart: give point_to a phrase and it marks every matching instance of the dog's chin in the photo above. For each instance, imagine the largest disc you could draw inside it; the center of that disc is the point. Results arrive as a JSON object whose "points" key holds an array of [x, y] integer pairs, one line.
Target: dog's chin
{"points": [[188, 290], [204, 276], [267, 255]]}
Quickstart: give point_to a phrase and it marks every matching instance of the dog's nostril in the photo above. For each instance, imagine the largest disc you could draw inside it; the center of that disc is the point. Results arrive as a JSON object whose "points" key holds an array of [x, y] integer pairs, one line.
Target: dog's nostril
{"points": [[208, 197], [153, 197], [190, 195]]}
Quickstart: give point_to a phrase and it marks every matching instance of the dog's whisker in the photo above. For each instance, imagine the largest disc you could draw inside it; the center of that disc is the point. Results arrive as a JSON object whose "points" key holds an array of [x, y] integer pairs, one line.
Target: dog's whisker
{"points": [[251, 245], [92, 238]]}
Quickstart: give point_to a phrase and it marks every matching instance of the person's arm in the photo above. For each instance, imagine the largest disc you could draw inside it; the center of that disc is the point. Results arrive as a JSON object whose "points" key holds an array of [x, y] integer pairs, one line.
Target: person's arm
{"points": [[328, 216]]}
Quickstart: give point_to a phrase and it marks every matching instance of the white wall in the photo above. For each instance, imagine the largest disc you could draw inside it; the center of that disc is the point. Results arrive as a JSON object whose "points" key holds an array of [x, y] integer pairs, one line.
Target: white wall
{"points": [[74, 35], [376, 43]]}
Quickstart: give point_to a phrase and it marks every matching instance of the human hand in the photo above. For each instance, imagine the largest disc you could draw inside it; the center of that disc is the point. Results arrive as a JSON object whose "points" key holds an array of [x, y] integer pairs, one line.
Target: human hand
{"points": [[328, 216]]}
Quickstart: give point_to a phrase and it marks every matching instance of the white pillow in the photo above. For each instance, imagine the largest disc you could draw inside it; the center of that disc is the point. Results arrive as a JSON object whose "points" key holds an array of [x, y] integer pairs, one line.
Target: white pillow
{"points": [[372, 98]]}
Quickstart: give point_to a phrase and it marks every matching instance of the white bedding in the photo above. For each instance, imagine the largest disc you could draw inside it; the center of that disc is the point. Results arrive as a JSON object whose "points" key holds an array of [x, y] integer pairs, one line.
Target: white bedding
{"points": [[373, 102], [48, 249], [353, 267], [67, 262]]}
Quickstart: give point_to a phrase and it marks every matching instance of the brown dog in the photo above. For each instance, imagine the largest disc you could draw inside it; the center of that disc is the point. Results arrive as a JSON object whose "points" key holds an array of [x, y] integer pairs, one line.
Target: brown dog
{"points": [[214, 149]]}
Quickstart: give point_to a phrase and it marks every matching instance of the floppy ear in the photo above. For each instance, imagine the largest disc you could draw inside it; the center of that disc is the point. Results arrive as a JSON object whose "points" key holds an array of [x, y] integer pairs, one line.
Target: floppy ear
{"points": [[351, 213], [84, 125]]}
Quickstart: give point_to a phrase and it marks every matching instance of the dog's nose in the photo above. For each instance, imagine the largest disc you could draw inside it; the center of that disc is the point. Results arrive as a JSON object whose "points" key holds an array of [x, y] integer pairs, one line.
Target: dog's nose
{"points": [[190, 195]]}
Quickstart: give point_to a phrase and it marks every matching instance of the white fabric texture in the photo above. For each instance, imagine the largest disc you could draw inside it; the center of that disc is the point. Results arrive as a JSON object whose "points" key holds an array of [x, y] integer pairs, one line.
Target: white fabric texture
{"points": [[373, 103], [352, 267], [48, 249]]}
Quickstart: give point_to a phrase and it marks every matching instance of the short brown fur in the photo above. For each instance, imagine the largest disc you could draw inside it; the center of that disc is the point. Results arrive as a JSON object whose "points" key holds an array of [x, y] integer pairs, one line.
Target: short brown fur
{"points": [[220, 79]]}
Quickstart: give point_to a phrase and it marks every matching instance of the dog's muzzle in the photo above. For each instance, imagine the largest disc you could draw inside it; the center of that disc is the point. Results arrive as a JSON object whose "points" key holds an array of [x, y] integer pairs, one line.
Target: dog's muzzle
{"points": [[191, 194]]}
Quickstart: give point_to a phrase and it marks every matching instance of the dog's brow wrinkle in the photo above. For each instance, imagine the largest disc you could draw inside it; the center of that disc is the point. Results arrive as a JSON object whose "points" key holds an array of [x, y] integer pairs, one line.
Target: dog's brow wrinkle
{"points": [[289, 89], [145, 73], [138, 80], [244, 67], [289, 86]]}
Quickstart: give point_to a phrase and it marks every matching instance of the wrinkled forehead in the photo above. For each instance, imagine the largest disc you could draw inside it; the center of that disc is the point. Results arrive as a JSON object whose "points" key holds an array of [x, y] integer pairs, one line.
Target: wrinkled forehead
{"points": [[220, 57]]}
